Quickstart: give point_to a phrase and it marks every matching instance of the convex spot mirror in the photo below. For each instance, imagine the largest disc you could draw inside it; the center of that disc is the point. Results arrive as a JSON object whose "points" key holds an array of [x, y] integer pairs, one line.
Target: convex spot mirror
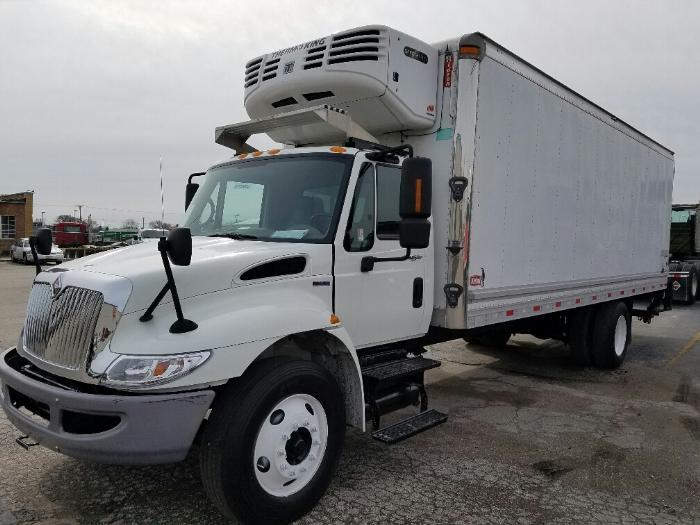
{"points": [[42, 241], [179, 246], [415, 200]]}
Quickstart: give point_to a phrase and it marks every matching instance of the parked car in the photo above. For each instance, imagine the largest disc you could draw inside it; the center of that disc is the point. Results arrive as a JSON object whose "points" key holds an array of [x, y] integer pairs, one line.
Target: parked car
{"points": [[21, 252]]}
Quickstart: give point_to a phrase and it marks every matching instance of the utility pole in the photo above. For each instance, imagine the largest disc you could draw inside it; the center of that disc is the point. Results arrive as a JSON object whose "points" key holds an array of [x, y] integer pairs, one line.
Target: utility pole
{"points": [[80, 210], [42, 219]]}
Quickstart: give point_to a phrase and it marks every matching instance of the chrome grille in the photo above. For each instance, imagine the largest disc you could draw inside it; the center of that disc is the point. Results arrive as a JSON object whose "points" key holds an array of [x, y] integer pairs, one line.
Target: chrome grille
{"points": [[61, 330]]}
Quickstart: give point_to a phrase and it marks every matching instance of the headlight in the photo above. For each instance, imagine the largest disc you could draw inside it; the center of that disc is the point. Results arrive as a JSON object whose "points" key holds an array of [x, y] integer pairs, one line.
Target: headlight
{"points": [[130, 371]]}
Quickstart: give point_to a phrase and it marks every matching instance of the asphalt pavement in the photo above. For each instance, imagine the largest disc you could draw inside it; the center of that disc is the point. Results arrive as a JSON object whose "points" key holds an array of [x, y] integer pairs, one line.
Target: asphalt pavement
{"points": [[531, 438]]}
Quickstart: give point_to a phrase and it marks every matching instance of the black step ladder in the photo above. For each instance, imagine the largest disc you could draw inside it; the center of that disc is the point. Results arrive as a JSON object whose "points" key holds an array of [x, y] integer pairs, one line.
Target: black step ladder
{"points": [[394, 384]]}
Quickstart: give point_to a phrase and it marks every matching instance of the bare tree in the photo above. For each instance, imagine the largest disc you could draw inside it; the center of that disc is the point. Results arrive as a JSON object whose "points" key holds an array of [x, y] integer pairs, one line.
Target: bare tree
{"points": [[160, 225], [66, 218], [130, 224]]}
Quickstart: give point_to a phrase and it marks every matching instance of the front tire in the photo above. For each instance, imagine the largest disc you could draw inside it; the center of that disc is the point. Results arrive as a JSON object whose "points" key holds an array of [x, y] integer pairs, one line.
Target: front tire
{"points": [[612, 331], [272, 441]]}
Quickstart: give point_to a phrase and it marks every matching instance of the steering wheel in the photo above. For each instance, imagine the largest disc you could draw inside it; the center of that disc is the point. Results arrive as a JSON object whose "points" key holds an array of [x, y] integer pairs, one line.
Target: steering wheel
{"points": [[321, 222]]}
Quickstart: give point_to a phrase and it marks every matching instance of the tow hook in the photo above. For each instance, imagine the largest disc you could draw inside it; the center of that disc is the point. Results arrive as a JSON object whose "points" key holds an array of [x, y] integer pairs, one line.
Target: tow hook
{"points": [[23, 442]]}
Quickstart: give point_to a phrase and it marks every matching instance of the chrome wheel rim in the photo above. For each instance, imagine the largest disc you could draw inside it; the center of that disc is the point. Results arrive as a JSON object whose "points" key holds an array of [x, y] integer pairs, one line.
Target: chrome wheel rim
{"points": [[290, 445], [620, 335]]}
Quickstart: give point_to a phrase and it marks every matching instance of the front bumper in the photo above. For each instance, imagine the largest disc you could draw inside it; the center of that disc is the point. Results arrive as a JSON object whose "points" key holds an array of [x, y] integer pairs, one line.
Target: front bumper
{"points": [[107, 428]]}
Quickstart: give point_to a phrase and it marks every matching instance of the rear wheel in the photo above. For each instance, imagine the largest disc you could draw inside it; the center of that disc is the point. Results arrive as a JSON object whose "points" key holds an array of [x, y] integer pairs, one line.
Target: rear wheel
{"points": [[272, 441], [580, 335], [611, 334]]}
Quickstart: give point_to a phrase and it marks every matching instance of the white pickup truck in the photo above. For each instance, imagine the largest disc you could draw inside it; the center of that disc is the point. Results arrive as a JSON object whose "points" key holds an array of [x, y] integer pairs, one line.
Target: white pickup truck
{"points": [[426, 193]]}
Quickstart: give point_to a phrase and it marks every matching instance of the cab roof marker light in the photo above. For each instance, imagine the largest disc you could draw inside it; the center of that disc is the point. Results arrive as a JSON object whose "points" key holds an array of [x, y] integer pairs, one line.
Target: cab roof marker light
{"points": [[469, 51], [337, 149], [257, 153], [273, 151]]}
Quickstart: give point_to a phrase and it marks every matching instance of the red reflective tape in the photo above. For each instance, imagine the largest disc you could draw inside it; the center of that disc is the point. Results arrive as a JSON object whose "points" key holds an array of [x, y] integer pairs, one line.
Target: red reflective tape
{"points": [[609, 294], [447, 72], [536, 308], [578, 301], [557, 304], [509, 313], [634, 290], [677, 276], [595, 297], [622, 292]]}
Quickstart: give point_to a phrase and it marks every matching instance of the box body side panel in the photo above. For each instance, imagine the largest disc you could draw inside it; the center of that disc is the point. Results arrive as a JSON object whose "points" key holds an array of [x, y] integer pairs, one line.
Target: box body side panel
{"points": [[559, 195]]}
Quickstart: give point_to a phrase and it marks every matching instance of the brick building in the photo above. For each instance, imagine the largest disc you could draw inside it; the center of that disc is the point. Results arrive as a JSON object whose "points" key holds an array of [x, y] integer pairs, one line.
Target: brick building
{"points": [[15, 218]]}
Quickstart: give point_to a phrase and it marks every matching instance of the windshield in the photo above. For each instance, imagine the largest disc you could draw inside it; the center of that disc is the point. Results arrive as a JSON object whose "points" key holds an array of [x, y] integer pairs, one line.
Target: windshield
{"points": [[288, 198]]}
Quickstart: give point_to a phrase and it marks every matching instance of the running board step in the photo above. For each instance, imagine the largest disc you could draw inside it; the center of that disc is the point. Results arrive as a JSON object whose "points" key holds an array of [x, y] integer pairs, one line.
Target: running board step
{"points": [[409, 427], [399, 369]]}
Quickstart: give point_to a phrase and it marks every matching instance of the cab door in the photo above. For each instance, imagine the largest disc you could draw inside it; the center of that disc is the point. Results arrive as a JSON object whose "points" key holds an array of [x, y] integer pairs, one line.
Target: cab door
{"points": [[387, 303]]}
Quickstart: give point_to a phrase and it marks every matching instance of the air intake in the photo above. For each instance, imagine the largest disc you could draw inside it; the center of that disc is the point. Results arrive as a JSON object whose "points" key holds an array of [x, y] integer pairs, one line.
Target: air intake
{"points": [[357, 46], [314, 57], [252, 72]]}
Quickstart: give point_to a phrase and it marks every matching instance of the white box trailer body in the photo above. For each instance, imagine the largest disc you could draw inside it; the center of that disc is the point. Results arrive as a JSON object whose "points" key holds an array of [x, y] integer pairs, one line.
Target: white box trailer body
{"points": [[565, 204]]}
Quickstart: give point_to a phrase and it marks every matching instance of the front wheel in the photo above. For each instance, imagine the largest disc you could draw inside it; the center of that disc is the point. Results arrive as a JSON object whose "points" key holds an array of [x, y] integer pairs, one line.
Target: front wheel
{"points": [[272, 442]]}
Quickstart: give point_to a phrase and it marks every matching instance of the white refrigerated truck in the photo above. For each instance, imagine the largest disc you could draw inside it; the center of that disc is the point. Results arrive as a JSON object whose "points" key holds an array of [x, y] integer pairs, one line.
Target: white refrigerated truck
{"points": [[425, 193]]}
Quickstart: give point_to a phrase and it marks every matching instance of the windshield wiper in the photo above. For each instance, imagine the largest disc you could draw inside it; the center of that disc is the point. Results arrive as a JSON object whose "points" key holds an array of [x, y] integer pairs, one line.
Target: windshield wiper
{"points": [[236, 236]]}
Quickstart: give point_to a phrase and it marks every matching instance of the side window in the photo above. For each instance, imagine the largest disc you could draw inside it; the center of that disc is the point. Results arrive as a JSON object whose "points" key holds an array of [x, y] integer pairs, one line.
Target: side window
{"points": [[359, 235], [388, 186]]}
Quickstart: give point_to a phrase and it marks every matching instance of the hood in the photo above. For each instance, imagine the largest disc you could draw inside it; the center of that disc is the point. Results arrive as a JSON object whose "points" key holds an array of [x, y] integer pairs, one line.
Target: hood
{"points": [[216, 265]]}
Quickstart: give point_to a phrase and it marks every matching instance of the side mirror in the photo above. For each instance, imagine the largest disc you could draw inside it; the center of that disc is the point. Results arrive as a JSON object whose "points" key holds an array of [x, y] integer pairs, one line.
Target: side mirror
{"points": [[191, 189], [43, 241], [179, 246], [415, 201]]}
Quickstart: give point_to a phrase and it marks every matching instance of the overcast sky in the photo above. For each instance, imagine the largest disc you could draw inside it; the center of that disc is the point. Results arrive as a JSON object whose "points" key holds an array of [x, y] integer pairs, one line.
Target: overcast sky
{"points": [[93, 92]]}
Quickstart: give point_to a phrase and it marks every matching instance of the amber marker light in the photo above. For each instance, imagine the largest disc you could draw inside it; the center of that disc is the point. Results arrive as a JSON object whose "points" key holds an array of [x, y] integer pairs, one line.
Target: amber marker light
{"points": [[335, 319], [469, 51], [419, 195], [338, 149]]}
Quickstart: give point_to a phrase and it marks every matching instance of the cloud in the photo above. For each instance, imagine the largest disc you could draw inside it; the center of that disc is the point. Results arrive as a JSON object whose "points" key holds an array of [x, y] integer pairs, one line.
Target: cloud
{"points": [[93, 93]]}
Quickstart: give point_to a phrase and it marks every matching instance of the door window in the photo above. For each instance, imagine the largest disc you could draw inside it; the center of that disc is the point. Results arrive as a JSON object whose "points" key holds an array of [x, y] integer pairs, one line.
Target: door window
{"points": [[359, 235], [388, 187]]}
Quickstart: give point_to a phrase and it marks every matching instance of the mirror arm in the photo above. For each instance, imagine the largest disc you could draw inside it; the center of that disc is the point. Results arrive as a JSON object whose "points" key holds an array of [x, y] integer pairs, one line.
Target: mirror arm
{"points": [[35, 255], [367, 263], [182, 325], [148, 314]]}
